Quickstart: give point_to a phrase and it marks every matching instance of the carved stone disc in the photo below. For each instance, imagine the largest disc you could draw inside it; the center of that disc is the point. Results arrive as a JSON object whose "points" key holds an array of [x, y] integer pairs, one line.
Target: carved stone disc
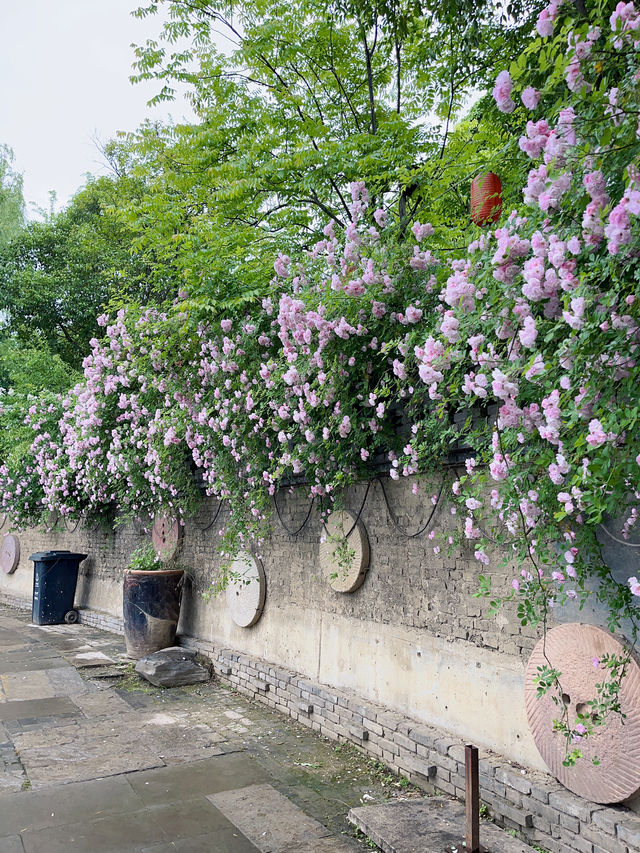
{"points": [[571, 649], [9, 553], [246, 591], [166, 536], [344, 563]]}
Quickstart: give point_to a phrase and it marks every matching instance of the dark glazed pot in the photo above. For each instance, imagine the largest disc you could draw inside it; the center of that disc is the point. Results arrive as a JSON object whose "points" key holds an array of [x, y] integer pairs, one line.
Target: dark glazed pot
{"points": [[151, 609]]}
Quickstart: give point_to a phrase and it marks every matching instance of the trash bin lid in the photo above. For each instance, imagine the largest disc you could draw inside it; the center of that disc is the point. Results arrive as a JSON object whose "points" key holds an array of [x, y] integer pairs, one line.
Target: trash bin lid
{"points": [[44, 556]]}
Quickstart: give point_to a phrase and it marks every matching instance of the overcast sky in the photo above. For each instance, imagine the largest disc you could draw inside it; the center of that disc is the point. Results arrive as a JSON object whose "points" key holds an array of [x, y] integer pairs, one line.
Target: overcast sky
{"points": [[64, 69]]}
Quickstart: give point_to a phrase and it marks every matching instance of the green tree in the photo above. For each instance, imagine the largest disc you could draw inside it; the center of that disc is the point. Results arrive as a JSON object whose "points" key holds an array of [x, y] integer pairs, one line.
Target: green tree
{"points": [[304, 98], [57, 276], [11, 198]]}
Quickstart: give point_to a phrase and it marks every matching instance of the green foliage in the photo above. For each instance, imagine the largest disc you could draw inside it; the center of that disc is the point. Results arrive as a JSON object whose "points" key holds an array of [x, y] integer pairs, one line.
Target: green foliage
{"points": [[27, 374], [145, 559], [57, 276], [11, 199], [303, 98]]}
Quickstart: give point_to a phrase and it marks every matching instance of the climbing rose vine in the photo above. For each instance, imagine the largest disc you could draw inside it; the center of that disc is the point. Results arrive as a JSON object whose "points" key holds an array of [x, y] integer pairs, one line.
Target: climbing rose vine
{"points": [[367, 347]]}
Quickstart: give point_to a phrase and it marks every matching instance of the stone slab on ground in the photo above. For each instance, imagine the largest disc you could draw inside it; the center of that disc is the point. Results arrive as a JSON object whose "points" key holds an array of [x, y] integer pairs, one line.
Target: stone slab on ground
{"points": [[11, 844], [172, 667], [209, 776], [62, 805], [431, 825], [268, 819], [117, 833], [82, 752], [29, 663], [90, 658], [220, 842], [36, 708], [95, 749], [32, 685]]}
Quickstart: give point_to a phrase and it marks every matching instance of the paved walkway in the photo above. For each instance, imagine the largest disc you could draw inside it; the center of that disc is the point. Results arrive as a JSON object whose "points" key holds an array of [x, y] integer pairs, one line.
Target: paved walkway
{"points": [[92, 760]]}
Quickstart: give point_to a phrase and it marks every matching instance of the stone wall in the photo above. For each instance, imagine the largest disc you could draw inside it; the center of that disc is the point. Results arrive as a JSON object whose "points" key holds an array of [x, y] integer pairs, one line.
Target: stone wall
{"points": [[413, 639]]}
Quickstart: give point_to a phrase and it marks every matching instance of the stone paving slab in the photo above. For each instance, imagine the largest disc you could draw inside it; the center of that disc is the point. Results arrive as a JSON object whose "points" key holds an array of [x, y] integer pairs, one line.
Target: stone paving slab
{"points": [[229, 841], [101, 703], [28, 663], [30, 724], [18, 686], [110, 834], [48, 707], [11, 783], [431, 825], [178, 820], [6, 636], [209, 776], [61, 805], [90, 658], [268, 819], [167, 824], [11, 844], [74, 753], [69, 682], [93, 749]]}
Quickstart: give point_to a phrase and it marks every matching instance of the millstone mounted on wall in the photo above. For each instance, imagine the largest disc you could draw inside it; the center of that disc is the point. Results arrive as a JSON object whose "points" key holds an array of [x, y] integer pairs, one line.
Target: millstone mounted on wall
{"points": [[344, 564], [246, 590], [9, 553], [574, 650], [166, 536]]}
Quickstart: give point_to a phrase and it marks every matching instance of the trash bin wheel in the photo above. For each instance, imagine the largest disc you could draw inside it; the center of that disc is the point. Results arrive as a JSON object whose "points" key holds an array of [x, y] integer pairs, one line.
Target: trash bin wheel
{"points": [[71, 617]]}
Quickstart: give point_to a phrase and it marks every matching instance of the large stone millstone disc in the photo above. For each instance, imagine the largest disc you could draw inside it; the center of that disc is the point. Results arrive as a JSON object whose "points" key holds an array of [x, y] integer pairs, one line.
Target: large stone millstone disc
{"points": [[166, 536], [345, 568], [246, 591], [571, 649], [9, 553]]}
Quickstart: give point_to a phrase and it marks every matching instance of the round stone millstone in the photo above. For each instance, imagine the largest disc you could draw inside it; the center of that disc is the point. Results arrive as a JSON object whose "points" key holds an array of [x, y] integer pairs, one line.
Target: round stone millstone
{"points": [[344, 567], [9, 553], [246, 591], [571, 650], [166, 536]]}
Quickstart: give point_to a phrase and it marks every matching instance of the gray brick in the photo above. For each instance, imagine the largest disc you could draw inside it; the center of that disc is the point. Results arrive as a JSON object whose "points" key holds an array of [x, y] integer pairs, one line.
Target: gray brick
{"points": [[404, 742], [423, 737], [569, 822], [414, 765], [629, 830], [443, 745], [613, 846], [513, 779], [359, 733], [577, 842], [599, 838], [606, 819], [572, 805]]}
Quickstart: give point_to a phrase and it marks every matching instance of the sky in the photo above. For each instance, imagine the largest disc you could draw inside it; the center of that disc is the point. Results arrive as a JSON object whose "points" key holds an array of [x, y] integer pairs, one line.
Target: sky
{"points": [[64, 80]]}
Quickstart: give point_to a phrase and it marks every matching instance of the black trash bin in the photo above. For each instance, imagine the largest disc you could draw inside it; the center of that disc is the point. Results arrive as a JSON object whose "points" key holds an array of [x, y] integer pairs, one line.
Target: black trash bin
{"points": [[55, 574]]}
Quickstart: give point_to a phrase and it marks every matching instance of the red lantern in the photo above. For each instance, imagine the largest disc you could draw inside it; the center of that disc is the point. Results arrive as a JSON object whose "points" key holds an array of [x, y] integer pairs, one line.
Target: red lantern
{"points": [[486, 199]]}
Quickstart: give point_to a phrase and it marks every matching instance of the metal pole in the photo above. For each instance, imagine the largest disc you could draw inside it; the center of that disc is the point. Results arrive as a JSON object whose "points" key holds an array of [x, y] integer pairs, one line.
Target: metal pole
{"points": [[472, 799]]}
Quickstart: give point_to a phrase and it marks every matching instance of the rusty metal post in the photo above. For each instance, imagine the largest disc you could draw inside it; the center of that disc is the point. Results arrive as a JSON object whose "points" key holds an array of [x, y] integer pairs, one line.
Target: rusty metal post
{"points": [[472, 799]]}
